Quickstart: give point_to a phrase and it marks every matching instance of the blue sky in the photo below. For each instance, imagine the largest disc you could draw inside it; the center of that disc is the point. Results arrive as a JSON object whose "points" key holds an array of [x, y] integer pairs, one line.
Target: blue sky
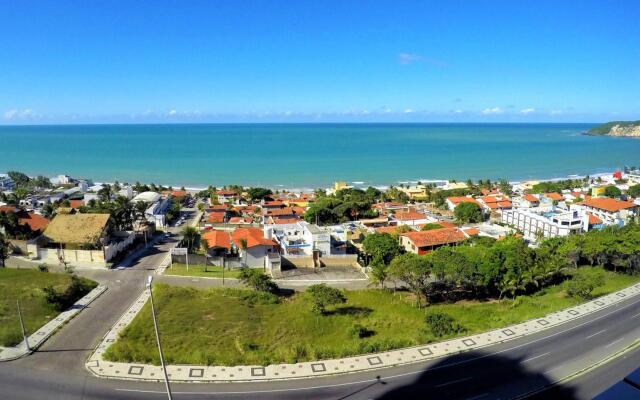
{"points": [[270, 61]]}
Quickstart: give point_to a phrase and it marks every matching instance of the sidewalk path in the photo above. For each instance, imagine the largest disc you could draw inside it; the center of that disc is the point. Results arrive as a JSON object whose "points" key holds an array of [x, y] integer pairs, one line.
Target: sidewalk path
{"points": [[256, 373], [41, 335]]}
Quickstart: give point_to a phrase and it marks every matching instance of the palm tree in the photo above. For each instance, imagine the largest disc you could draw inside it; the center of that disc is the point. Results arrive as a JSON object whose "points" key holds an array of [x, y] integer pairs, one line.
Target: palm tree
{"points": [[189, 234], [243, 246], [204, 244]]}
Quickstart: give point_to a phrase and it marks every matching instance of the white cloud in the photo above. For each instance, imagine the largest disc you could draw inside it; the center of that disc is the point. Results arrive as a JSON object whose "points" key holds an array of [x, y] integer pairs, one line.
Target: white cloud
{"points": [[409, 111], [15, 115], [173, 112], [458, 111], [527, 110], [490, 111], [408, 58]]}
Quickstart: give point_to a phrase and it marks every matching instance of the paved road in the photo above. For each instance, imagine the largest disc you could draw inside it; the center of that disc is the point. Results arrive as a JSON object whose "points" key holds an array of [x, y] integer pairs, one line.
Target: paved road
{"points": [[500, 371]]}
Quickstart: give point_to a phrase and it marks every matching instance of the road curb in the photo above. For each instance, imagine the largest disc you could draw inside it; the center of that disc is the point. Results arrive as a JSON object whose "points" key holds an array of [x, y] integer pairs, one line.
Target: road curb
{"points": [[365, 362], [47, 330]]}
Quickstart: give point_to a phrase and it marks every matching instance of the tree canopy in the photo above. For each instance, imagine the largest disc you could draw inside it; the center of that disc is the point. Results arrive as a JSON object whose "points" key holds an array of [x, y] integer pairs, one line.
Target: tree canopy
{"points": [[382, 246], [468, 212]]}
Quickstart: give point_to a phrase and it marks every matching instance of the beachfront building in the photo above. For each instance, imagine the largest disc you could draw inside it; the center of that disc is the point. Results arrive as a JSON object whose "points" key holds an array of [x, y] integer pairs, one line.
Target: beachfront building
{"points": [[6, 183], [534, 223], [227, 196], [610, 211], [416, 192], [157, 209], [423, 242]]}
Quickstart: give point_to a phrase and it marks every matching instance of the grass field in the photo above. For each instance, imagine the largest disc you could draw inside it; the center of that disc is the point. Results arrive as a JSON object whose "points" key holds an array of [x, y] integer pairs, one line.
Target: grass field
{"points": [[225, 327], [198, 270], [27, 285]]}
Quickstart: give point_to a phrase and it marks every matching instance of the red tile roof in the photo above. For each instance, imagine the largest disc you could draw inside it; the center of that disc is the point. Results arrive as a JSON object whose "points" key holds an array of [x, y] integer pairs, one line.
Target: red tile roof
{"points": [[445, 224], [217, 208], [531, 198], [594, 220], [217, 239], [391, 230], [462, 199], [179, 193], [35, 221], [227, 193], [285, 221], [240, 220], [216, 217], [554, 196], [253, 236], [472, 231], [408, 215], [436, 237], [76, 203], [607, 204]]}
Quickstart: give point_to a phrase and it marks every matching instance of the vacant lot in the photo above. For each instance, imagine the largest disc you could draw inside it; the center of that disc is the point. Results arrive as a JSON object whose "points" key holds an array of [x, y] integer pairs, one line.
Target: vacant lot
{"points": [[199, 270], [232, 327], [27, 285]]}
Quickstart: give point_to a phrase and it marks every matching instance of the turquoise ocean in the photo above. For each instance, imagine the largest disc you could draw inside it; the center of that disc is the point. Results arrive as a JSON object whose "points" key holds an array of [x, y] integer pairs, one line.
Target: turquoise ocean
{"points": [[311, 155]]}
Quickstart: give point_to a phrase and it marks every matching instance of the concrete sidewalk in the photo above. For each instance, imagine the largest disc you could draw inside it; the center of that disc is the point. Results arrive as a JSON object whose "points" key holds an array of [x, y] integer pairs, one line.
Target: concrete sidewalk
{"points": [[250, 373], [42, 334]]}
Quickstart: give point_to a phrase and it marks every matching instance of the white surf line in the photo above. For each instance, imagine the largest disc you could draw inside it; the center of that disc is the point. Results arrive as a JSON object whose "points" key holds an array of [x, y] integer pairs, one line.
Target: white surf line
{"points": [[614, 342], [533, 358], [454, 382], [597, 333], [391, 376]]}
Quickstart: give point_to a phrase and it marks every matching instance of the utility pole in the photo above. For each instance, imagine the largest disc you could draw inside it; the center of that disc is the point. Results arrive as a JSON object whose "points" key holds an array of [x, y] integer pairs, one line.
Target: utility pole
{"points": [[155, 326], [24, 330]]}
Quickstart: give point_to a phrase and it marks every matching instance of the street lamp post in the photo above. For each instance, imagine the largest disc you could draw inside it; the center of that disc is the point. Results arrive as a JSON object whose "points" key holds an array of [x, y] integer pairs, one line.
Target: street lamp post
{"points": [[24, 330], [155, 326]]}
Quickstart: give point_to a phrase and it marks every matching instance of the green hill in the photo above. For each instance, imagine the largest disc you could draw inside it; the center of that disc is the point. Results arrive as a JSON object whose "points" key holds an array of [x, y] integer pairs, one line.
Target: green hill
{"points": [[605, 129]]}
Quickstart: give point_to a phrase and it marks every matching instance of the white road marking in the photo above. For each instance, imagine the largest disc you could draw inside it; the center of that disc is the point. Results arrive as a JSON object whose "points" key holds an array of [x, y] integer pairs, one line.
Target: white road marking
{"points": [[398, 375], [454, 382], [597, 333], [478, 396], [614, 342], [533, 358]]}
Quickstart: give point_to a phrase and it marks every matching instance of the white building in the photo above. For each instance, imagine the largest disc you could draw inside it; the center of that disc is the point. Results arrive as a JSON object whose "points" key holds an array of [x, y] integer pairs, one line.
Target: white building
{"points": [[6, 183], [548, 223], [158, 207], [301, 238]]}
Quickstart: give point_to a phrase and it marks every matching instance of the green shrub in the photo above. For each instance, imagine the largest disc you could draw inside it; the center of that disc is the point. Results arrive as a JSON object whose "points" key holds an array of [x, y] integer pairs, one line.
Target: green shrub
{"points": [[322, 296], [359, 331], [584, 281], [43, 268], [257, 280], [63, 300], [442, 324]]}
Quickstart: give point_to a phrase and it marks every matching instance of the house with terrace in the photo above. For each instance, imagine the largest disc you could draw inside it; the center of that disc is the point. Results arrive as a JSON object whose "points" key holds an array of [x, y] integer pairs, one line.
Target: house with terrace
{"points": [[610, 211], [255, 247]]}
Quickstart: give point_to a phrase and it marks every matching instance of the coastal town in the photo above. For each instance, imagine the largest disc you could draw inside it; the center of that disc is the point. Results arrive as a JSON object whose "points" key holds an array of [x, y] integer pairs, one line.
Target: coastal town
{"points": [[80, 223]]}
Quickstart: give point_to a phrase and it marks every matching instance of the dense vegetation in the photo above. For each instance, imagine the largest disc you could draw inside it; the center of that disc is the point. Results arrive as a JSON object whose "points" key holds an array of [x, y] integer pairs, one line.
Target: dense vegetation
{"points": [[344, 205], [485, 268], [558, 186], [605, 128]]}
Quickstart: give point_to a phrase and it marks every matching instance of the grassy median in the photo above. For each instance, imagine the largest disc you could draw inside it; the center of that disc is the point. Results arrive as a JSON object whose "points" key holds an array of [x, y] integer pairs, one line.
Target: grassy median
{"points": [[28, 285], [199, 270], [237, 327]]}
